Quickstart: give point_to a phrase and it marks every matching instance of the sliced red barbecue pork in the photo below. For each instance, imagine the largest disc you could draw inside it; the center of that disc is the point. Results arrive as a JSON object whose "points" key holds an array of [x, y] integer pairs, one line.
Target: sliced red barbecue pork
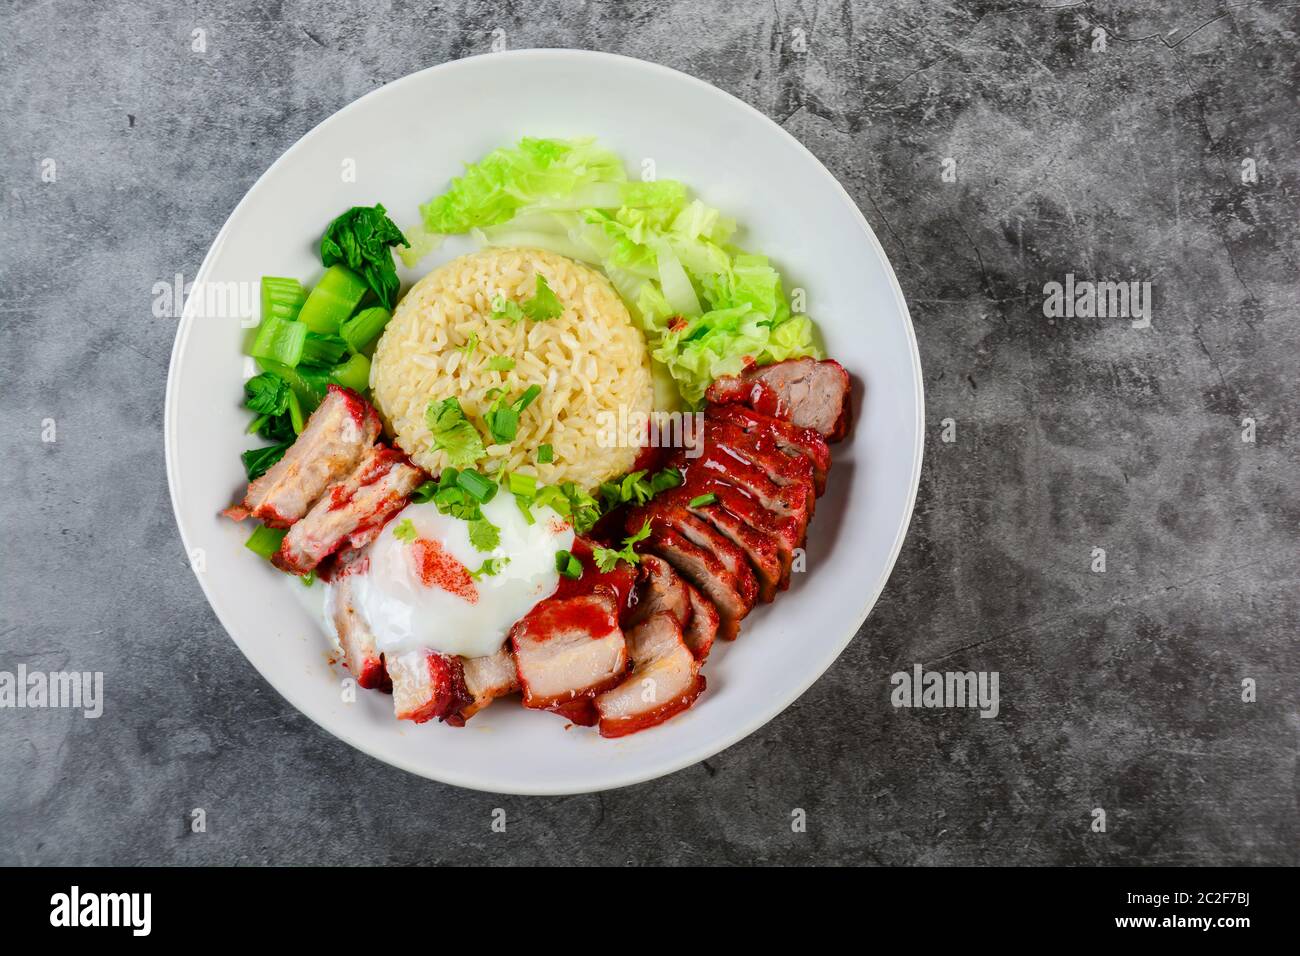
{"points": [[665, 679], [788, 438], [356, 639], [567, 650], [487, 678], [702, 628], [733, 597], [804, 391], [427, 684], [336, 436], [353, 511]]}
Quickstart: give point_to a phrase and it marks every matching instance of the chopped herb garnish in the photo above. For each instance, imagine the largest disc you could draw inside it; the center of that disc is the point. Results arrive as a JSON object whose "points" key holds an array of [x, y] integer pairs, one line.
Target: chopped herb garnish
{"points": [[501, 363], [425, 492], [453, 433], [484, 535], [568, 565], [542, 306], [522, 485], [405, 531], [479, 488], [545, 454], [471, 345], [665, 479], [607, 558], [307, 579], [699, 501], [489, 568], [502, 419]]}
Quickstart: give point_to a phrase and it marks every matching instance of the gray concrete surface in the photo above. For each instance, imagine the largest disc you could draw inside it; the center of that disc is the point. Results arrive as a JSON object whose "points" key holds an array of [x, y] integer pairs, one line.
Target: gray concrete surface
{"points": [[1120, 690]]}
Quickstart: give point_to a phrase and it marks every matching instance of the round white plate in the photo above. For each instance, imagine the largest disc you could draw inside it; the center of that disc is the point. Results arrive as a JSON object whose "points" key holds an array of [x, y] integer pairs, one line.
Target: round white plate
{"points": [[404, 142]]}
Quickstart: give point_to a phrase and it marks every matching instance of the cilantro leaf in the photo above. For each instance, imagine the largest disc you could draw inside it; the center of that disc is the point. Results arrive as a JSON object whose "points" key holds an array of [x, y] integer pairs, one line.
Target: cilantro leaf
{"points": [[544, 304], [453, 433], [489, 568], [361, 239], [484, 535], [503, 308], [608, 558], [405, 531]]}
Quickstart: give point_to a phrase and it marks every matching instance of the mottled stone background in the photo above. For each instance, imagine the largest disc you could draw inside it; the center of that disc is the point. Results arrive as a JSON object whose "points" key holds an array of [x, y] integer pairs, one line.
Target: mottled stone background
{"points": [[1119, 690]]}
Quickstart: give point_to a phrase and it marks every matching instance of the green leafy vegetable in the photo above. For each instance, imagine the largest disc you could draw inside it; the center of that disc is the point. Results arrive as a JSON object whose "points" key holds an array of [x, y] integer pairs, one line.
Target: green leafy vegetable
{"points": [[361, 239], [266, 394], [453, 433], [265, 541], [321, 349], [362, 331], [332, 300], [699, 501], [545, 454], [405, 531], [607, 558], [281, 297], [353, 374], [279, 340], [492, 190], [501, 363], [568, 565], [258, 460]]}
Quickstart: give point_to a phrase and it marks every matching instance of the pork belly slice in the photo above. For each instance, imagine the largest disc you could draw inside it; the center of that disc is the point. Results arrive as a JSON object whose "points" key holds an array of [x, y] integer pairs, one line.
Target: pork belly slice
{"points": [[788, 438], [702, 627], [356, 638], [674, 514], [353, 511], [336, 436], [707, 573], [665, 679], [487, 678], [427, 684], [804, 391], [784, 471], [568, 649], [660, 588]]}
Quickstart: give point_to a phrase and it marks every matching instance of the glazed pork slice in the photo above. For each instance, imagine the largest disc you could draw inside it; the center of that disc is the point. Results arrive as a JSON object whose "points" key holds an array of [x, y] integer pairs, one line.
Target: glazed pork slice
{"points": [[707, 573], [660, 589], [356, 639], [784, 471], [487, 678], [665, 679], [786, 502], [427, 684], [336, 436], [804, 391], [759, 547], [788, 438], [702, 628], [675, 514], [352, 512], [569, 649]]}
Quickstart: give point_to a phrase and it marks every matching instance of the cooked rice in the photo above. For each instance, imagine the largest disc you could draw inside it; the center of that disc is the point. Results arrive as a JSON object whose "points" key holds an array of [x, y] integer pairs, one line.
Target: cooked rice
{"points": [[591, 359]]}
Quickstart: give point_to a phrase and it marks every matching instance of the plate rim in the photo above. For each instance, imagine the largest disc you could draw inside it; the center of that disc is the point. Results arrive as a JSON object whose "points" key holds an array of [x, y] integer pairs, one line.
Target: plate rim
{"points": [[690, 756]]}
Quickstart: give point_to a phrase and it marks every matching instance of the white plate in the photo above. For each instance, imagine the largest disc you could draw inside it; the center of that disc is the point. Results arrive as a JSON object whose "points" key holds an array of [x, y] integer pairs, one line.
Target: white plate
{"points": [[405, 141]]}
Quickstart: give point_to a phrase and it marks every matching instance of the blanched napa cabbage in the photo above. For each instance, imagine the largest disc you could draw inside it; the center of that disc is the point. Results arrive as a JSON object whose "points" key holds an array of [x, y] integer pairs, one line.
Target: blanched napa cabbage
{"points": [[708, 308]]}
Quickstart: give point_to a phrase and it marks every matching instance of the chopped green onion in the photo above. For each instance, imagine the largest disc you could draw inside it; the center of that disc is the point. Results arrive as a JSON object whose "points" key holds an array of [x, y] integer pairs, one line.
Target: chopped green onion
{"points": [[335, 296], [353, 374], [479, 488], [545, 454], [501, 363], [361, 332], [307, 579], [265, 541], [489, 568], [700, 501], [279, 340], [525, 485], [568, 565], [522, 504], [282, 298], [425, 492]]}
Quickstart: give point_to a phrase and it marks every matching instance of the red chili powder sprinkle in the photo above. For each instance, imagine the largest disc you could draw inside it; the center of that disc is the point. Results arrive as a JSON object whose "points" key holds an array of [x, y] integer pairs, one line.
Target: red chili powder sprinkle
{"points": [[438, 569]]}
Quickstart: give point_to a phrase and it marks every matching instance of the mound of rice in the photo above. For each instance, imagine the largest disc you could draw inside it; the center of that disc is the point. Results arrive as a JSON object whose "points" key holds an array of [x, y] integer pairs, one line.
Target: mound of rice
{"points": [[590, 360]]}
